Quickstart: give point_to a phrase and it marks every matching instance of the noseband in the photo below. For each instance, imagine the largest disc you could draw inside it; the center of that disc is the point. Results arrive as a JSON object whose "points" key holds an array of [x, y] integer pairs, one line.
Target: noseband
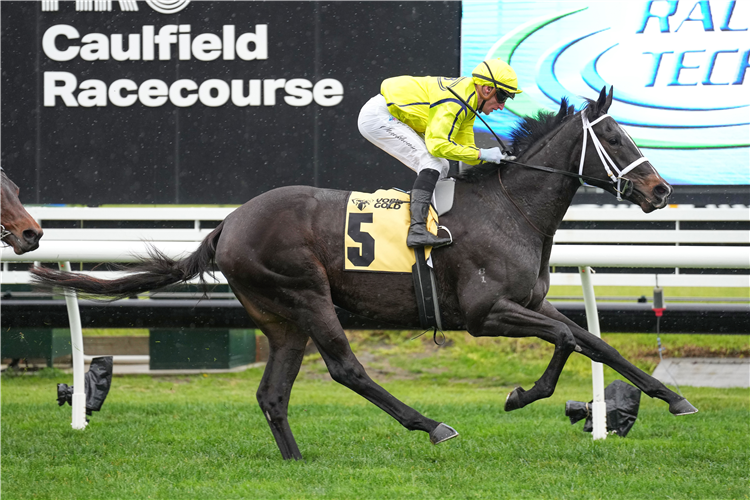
{"points": [[609, 165]]}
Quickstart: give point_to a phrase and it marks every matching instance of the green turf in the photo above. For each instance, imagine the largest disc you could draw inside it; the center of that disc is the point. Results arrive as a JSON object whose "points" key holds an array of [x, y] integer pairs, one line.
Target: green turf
{"points": [[204, 436]]}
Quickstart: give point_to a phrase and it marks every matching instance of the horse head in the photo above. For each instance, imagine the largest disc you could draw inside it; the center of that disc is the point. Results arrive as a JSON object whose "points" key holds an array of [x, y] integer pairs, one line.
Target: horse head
{"points": [[611, 155], [18, 229]]}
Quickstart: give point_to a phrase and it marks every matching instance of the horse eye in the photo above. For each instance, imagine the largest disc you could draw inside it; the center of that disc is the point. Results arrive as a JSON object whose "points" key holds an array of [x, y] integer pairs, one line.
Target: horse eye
{"points": [[613, 141]]}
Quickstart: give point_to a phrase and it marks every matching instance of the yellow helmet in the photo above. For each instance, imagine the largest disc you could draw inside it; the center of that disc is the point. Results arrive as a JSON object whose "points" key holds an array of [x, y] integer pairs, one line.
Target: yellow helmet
{"points": [[497, 74]]}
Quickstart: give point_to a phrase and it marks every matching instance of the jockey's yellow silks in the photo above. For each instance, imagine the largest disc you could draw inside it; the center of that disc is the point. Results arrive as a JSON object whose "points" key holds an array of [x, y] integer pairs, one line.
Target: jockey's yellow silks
{"points": [[426, 105]]}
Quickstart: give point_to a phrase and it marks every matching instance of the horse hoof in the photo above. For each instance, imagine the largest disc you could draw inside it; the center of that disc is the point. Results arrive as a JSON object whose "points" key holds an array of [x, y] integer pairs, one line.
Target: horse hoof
{"points": [[682, 407], [442, 433], [513, 400]]}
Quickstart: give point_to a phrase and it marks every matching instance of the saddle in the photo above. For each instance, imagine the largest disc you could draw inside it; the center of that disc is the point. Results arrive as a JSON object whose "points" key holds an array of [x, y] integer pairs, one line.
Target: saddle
{"points": [[443, 198], [375, 232], [375, 241]]}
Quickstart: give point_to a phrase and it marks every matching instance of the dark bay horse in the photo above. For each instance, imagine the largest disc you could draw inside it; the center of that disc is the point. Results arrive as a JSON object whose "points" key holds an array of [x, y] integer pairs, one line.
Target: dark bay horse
{"points": [[282, 253], [18, 229]]}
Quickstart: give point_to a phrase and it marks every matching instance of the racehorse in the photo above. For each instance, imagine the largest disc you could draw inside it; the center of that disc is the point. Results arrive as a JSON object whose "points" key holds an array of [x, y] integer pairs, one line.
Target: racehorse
{"points": [[282, 254], [18, 229]]}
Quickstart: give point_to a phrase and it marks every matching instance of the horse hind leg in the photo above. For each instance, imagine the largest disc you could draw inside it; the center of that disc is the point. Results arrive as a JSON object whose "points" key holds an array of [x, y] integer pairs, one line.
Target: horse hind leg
{"points": [[274, 392], [328, 335], [286, 349]]}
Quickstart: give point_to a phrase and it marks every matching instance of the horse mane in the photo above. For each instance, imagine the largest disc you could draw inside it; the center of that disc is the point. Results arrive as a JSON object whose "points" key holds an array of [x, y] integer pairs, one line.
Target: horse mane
{"points": [[526, 134]]}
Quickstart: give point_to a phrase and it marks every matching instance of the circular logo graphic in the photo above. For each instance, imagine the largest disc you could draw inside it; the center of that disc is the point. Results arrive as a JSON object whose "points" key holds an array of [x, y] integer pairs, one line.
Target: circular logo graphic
{"points": [[663, 94], [168, 6]]}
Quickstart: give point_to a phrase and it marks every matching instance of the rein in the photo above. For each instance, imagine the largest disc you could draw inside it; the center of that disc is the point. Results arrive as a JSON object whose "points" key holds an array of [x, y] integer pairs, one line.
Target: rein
{"points": [[587, 129], [519, 209], [607, 162], [584, 178], [616, 183], [609, 165]]}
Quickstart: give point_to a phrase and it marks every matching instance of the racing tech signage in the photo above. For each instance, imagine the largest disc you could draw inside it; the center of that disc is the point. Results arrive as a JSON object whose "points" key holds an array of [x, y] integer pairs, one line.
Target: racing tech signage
{"points": [[679, 69]]}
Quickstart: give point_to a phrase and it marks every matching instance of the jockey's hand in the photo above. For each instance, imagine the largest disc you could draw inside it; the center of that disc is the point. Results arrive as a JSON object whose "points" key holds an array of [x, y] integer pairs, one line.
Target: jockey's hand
{"points": [[494, 155]]}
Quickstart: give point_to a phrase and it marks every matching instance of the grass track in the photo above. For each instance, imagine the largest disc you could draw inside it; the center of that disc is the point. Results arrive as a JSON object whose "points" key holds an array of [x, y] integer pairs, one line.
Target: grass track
{"points": [[204, 436]]}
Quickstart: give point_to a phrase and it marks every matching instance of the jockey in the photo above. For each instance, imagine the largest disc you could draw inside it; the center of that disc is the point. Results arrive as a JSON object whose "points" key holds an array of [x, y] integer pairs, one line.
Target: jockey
{"points": [[421, 122]]}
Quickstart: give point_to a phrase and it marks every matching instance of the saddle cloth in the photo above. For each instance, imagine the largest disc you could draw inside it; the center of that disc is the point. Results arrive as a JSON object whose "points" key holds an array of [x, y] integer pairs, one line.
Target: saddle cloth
{"points": [[375, 232]]}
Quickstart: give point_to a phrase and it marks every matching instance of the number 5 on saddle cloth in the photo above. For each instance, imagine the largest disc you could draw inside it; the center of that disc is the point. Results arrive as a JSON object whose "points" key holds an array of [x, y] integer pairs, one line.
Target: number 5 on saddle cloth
{"points": [[375, 241]]}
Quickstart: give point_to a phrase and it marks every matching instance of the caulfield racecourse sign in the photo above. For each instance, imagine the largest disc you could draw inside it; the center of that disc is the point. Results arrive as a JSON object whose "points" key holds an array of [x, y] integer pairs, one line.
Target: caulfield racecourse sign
{"points": [[65, 43], [205, 102]]}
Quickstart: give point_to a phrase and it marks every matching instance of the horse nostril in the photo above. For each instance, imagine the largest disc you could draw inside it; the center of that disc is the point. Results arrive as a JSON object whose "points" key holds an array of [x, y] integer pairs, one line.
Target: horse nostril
{"points": [[32, 235], [661, 190]]}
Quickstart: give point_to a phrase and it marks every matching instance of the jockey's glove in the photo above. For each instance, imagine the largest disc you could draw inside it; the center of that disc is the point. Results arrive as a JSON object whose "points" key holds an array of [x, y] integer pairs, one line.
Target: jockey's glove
{"points": [[494, 155]]}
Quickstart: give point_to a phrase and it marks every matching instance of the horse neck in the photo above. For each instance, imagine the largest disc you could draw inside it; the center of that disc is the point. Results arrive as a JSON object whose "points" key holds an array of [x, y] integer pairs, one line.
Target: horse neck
{"points": [[542, 197]]}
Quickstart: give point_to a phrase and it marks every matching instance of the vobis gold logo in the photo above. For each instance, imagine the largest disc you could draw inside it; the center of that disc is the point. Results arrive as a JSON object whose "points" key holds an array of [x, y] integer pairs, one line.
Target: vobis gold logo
{"points": [[389, 203]]}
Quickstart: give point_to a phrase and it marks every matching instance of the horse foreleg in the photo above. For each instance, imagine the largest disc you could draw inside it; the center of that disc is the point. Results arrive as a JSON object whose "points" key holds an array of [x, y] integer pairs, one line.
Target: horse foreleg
{"points": [[597, 350], [509, 319], [329, 337]]}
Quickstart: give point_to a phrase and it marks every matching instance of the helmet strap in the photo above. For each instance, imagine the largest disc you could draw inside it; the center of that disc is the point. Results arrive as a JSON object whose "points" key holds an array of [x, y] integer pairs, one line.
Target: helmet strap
{"points": [[494, 82], [484, 95]]}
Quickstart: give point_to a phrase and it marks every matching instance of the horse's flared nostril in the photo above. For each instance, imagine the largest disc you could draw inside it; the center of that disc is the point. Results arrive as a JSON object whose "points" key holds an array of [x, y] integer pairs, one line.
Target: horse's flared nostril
{"points": [[662, 191], [32, 236]]}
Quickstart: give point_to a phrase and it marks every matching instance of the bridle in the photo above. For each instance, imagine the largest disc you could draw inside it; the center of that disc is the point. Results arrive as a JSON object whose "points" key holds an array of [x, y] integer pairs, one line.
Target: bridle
{"points": [[609, 165], [616, 181], [619, 183], [4, 233]]}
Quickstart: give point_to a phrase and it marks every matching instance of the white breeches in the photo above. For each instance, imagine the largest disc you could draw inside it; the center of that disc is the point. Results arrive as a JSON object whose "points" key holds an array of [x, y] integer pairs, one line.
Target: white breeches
{"points": [[396, 138]]}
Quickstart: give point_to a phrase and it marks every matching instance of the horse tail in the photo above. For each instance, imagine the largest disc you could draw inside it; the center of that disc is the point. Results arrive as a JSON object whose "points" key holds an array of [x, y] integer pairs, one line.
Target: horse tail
{"points": [[150, 274]]}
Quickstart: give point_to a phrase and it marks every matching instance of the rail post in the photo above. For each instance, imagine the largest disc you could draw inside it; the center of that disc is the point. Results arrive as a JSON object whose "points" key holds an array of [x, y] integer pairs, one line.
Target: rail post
{"points": [[598, 407], [76, 343]]}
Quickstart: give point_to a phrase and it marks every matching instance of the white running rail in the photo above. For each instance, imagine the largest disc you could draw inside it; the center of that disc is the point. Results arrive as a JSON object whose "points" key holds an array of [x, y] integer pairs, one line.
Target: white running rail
{"points": [[679, 242]]}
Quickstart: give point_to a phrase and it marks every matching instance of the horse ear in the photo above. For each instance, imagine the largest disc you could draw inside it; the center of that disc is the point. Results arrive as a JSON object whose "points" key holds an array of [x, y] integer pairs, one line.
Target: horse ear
{"points": [[608, 99], [563, 110], [601, 102]]}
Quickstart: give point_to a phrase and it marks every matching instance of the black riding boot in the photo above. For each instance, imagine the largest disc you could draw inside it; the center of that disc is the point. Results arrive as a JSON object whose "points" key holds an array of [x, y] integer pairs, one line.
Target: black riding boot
{"points": [[421, 196]]}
